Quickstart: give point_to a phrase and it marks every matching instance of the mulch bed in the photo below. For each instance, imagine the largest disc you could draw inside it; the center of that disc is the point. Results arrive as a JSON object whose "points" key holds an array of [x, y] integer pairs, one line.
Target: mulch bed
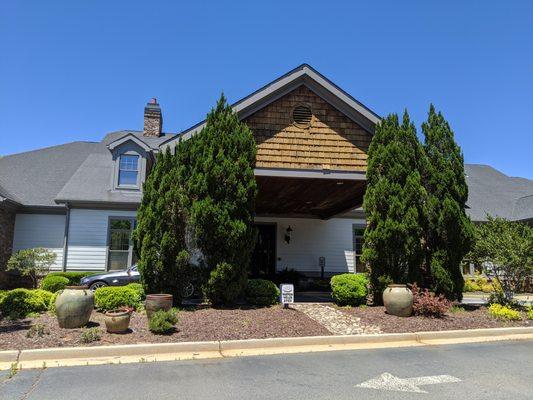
{"points": [[195, 324], [471, 318]]}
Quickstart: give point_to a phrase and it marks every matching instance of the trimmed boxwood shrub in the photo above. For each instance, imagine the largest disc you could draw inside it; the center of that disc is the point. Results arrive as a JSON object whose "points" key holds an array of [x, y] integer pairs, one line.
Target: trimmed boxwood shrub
{"points": [[113, 297], [349, 289], [52, 302], [163, 321], [73, 277], [45, 295], [260, 292], [53, 283], [18, 303], [139, 289]]}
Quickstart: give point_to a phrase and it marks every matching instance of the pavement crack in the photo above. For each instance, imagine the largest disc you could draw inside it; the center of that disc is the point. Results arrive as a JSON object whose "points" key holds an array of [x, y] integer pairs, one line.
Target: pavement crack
{"points": [[34, 385]]}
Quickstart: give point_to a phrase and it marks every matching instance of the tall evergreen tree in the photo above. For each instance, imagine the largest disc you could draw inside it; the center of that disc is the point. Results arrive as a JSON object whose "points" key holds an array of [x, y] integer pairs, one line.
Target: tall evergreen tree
{"points": [[159, 237], [394, 205], [217, 165], [449, 231]]}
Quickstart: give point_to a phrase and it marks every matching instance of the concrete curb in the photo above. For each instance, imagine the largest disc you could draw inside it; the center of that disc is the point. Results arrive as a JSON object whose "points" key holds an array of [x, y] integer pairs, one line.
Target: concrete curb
{"points": [[69, 356]]}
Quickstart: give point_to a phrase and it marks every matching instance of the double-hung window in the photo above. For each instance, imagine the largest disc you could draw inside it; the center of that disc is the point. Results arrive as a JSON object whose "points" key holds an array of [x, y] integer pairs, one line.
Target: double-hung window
{"points": [[121, 254], [358, 241], [128, 171]]}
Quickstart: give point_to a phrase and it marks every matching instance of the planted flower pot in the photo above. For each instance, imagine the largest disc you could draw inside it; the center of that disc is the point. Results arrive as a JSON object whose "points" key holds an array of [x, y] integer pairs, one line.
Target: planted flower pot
{"points": [[74, 306], [156, 302], [398, 300], [117, 321]]}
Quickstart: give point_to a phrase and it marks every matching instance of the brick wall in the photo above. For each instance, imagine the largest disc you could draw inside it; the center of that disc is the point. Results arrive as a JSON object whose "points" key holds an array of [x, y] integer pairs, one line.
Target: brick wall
{"points": [[331, 141]]}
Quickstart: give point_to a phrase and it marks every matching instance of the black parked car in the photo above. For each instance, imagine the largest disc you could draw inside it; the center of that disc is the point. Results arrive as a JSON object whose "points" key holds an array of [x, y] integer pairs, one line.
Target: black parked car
{"points": [[112, 278], [131, 275]]}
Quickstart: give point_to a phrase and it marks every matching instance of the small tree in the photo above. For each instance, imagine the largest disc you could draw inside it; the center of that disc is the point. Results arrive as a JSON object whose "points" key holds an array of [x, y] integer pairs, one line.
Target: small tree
{"points": [[505, 249], [448, 233], [33, 263], [394, 205], [160, 235], [217, 165]]}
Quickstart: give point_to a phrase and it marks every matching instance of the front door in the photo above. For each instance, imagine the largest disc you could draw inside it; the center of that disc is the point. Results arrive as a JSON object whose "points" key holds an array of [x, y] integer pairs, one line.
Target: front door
{"points": [[263, 263]]}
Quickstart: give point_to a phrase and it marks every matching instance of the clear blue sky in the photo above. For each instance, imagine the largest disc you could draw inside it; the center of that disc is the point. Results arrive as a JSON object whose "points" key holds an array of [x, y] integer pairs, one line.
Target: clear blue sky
{"points": [[74, 70]]}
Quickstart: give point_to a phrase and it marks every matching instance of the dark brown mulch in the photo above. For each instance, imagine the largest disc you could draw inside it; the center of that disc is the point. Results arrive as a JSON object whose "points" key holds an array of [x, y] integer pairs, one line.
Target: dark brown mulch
{"points": [[194, 325], [471, 318]]}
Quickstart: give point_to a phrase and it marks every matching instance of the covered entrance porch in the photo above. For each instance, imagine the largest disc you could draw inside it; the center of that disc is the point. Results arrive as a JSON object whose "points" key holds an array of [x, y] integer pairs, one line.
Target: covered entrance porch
{"points": [[306, 222]]}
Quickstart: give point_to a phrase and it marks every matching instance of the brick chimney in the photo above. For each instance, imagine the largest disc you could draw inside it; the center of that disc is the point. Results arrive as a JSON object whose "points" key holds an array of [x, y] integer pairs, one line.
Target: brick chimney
{"points": [[153, 119]]}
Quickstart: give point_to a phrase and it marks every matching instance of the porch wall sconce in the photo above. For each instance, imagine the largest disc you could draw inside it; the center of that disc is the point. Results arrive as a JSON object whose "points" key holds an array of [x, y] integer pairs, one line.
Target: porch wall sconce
{"points": [[288, 234]]}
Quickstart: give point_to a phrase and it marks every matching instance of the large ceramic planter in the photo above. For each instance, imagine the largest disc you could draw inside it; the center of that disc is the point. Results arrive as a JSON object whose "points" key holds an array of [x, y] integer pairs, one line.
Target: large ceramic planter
{"points": [[398, 300], [156, 302], [74, 306], [117, 321]]}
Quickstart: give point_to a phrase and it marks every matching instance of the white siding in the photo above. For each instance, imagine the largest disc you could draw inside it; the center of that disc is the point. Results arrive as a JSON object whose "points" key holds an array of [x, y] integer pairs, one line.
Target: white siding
{"points": [[314, 238], [87, 241], [40, 230]]}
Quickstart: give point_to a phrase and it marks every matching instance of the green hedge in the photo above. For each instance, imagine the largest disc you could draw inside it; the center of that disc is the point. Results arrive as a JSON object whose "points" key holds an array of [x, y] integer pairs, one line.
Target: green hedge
{"points": [[18, 303], [53, 283], [349, 289], [113, 297], [139, 289], [260, 292], [73, 277], [52, 302]]}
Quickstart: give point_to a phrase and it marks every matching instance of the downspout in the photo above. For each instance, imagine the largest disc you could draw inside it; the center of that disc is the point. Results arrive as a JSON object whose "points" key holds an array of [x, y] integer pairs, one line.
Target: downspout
{"points": [[65, 242]]}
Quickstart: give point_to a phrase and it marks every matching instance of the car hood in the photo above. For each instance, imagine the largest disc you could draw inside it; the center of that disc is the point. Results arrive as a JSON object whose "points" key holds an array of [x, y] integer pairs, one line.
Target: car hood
{"points": [[106, 275]]}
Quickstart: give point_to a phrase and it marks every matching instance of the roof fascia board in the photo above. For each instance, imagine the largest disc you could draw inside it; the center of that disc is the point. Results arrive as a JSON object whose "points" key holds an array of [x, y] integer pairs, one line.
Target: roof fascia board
{"points": [[129, 137], [315, 81], [310, 174]]}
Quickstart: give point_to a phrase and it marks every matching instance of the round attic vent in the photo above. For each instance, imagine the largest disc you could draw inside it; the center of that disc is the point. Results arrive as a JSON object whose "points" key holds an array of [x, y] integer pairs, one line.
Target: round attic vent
{"points": [[302, 116]]}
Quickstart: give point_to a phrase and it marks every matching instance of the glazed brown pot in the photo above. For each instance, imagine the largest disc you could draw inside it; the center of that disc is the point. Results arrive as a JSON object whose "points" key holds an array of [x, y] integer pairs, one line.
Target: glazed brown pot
{"points": [[398, 300], [74, 306], [156, 302], [117, 321]]}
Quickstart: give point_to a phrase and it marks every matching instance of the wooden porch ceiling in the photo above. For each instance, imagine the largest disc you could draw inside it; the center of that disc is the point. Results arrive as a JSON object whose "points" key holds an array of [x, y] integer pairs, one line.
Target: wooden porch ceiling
{"points": [[307, 197]]}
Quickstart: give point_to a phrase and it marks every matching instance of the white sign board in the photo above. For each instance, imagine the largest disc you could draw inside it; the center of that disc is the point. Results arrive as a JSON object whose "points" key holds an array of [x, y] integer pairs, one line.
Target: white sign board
{"points": [[287, 293]]}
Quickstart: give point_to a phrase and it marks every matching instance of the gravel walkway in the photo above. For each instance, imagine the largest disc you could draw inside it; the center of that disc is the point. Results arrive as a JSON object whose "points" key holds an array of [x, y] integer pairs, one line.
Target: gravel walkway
{"points": [[335, 321]]}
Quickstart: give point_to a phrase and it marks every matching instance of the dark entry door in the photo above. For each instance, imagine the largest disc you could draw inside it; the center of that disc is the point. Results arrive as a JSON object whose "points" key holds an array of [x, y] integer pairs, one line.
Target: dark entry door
{"points": [[263, 264]]}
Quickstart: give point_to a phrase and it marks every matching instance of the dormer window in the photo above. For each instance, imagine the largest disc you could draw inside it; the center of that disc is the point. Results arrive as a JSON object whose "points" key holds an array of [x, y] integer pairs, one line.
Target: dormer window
{"points": [[128, 173]]}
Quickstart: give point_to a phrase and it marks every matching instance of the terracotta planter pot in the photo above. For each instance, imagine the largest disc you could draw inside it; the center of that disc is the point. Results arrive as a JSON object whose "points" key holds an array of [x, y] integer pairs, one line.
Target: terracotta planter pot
{"points": [[398, 300], [117, 321], [156, 302], [74, 306]]}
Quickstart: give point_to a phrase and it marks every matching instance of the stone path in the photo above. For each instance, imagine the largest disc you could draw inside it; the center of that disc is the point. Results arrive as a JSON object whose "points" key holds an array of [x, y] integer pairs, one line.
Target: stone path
{"points": [[334, 320]]}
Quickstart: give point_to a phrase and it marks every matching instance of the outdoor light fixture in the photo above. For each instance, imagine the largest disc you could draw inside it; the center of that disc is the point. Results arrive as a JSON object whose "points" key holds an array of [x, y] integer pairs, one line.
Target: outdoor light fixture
{"points": [[288, 234]]}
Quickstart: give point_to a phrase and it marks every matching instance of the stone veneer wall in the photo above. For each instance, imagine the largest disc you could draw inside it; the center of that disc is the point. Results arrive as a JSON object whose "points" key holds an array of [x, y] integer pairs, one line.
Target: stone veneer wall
{"points": [[7, 227]]}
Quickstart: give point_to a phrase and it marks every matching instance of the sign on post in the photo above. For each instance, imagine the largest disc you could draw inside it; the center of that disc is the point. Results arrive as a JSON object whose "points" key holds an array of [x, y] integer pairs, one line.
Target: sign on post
{"points": [[287, 294]]}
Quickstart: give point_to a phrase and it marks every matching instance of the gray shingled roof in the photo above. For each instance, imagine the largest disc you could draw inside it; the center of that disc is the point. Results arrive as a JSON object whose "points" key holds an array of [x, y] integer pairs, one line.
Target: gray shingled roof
{"points": [[34, 178], [72, 171], [494, 193], [92, 180]]}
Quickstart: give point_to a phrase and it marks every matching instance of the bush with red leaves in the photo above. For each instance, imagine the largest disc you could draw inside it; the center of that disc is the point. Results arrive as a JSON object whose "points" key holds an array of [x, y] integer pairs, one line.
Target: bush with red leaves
{"points": [[428, 304]]}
